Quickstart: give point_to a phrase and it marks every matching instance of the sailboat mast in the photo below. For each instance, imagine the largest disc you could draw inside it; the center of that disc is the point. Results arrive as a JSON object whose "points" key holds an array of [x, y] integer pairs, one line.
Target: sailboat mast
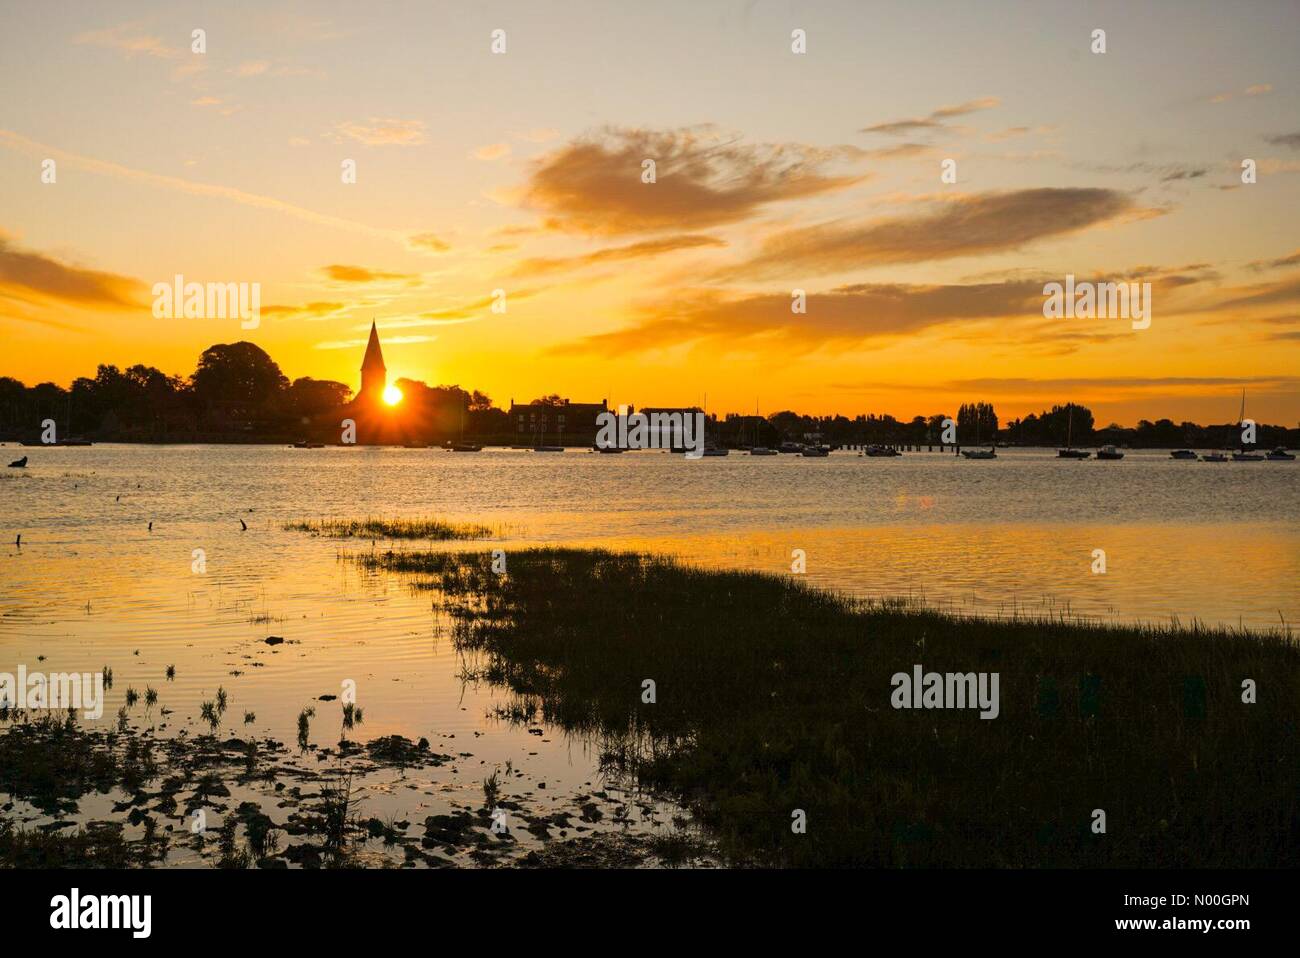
{"points": [[1241, 418]]}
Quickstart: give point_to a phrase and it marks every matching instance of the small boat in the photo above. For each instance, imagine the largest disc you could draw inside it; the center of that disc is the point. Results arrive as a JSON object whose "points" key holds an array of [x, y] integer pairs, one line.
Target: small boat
{"points": [[1214, 457], [1280, 455], [304, 444], [1109, 452], [19, 463], [790, 447], [989, 453], [757, 450], [1182, 454], [1242, 455], [880, 452], [610, 449], [548, 449], [1069, 452], [465, 447], [815, 452], [715, 451]]}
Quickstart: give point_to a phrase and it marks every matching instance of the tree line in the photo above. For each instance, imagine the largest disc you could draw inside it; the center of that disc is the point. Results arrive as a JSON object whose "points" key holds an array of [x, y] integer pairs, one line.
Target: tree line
{"points": [[237, 392]]}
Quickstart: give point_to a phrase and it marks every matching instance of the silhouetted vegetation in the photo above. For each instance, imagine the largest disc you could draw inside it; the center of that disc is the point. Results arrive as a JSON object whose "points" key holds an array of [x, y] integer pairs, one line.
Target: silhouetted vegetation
{"points": [[772, 696], [380, 528], [238, 393]]}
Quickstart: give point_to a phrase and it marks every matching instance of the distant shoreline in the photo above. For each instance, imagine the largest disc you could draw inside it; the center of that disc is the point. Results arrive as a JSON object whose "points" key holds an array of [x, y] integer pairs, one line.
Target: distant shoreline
{"points": [[933, 449]]}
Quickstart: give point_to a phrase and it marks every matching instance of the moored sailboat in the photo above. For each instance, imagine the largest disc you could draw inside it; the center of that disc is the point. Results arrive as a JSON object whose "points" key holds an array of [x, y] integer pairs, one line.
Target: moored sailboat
{"points": [[1241, 455], [1069, 452]]}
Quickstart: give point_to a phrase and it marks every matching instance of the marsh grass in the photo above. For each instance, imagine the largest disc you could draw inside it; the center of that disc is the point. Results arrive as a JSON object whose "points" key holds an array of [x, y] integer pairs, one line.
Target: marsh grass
{"points": [[155, 785], [338, 808], [774, 696], [492, 789], [352, 716], [304, 727], [97, 845], [232, 856], [52, 763], [209, 713], [382, 528]]}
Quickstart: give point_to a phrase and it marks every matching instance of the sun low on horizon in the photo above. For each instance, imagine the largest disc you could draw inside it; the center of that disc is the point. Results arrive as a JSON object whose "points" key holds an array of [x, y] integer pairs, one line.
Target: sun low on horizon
{"points": [[392, 395], [650, 229]]}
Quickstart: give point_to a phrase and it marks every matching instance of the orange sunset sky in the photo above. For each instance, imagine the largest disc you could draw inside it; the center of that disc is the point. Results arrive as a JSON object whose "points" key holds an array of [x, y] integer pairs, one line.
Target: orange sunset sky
{"points": [[522, 171]]}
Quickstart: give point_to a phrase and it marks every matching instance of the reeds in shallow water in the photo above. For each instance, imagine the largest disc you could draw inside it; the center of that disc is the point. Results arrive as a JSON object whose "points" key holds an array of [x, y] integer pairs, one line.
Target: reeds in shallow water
{"points": [[381, 528]]}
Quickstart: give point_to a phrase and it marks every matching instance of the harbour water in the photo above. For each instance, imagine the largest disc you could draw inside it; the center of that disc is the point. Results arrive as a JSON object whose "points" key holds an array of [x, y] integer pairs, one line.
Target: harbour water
{"points": [[93, 586]]}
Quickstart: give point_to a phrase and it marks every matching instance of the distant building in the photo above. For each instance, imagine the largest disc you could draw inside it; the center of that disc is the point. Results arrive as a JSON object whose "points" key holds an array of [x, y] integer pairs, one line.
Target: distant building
{"points": [[541, 423], [374, 374], [376, 422], [683, 410], [671, 441]]}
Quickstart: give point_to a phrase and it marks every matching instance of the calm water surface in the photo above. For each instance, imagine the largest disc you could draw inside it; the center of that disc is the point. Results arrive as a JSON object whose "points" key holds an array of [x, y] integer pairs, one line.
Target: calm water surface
{"points": [[92, 586]]}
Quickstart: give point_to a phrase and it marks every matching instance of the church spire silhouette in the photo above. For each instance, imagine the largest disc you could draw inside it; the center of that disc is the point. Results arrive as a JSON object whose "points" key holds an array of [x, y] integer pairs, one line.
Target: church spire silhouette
{"points": [[374, 374]]}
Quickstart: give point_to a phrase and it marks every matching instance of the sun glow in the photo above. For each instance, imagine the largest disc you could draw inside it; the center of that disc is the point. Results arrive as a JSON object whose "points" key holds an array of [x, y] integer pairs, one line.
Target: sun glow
{"points": [[392, 395]]}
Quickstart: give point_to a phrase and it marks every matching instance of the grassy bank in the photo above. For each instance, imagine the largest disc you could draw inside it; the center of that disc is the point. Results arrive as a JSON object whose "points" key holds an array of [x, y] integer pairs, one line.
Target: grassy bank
{"points": [[773, 697], [437, 530]]}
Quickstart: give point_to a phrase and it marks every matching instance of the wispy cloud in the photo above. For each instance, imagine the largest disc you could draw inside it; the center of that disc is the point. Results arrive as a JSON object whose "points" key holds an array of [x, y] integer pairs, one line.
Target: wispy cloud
{"points": [[388, 341], [128, 40], [962, 226], [473, 310], [25, 274], [342, 273], [492, 152], [16, 141], [1256, 89], [1281, 262], [427, 243], [380, 131], [859, 313], [935, 120], [315, 310], [615, 254], [1261, 294], [703, 178]]}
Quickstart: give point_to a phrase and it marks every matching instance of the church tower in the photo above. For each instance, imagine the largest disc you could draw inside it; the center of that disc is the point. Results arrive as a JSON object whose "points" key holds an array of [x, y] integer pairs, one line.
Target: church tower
{"points": [[374, 374]]}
